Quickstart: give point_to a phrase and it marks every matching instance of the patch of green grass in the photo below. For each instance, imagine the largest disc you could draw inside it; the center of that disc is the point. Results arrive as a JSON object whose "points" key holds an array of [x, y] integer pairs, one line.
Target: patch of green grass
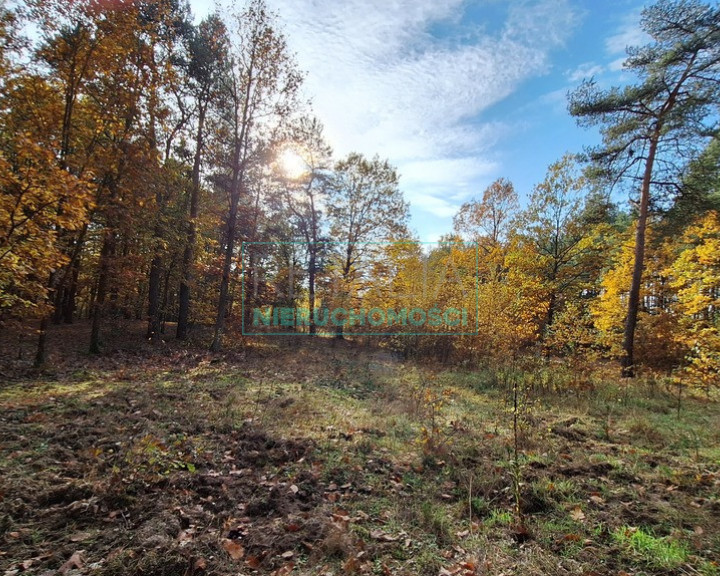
{"points": [[499, 518], [435, 520], [480, 507], [428, 560], [567, 489], [662, 553], [563, 534]]}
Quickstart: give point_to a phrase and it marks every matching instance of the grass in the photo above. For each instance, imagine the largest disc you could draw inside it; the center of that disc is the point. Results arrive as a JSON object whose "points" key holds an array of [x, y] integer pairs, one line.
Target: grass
{"points": [[662, 553], [323, 455]]}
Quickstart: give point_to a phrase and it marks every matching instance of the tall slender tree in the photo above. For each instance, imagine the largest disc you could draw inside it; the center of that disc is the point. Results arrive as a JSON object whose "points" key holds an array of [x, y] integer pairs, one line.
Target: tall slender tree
{"points": [[207, 62], [259, 96], [306, 193], [656, 125]]}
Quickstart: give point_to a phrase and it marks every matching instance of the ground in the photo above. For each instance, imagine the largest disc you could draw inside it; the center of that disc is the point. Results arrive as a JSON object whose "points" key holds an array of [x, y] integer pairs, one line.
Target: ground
{"points": [[316, 457]]}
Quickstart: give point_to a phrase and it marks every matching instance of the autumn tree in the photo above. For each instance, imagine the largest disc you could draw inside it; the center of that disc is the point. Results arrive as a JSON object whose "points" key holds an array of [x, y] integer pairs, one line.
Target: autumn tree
{"points": [[207, 62], [44, 106], [365, 205], [695, 275], [657, 124], [552, 230], [487, 221], [38, 199], [258, 96]]}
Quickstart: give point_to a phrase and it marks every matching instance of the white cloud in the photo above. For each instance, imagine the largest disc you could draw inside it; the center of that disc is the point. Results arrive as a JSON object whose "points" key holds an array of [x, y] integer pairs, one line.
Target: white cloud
{"points": [[616, 65], [585, 71], [452, 178], [434, 205], [383, 82], [628, 34]]}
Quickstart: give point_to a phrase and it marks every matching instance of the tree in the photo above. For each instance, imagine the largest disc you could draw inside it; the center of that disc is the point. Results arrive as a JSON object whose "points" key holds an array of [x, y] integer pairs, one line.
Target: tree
{"points": [[162, 25], [696, 273], [305, 194], [259, 95], [699, 191], [657, 124], [488, 224], [553, 228], [208, 60], [365, 204], [487, 221]]}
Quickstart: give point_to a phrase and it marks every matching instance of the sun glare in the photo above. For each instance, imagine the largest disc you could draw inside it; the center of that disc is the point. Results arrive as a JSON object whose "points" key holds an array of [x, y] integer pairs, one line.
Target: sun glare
{"points": [[292, 164]]}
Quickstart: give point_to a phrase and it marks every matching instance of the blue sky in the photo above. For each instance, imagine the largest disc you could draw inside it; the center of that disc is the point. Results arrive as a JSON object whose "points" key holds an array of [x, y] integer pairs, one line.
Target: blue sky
{"points": [[455, 93]]}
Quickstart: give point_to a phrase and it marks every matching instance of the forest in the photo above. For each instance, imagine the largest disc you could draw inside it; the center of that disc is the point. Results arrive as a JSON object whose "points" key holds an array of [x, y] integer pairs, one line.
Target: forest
{"points": [[225, 350]]}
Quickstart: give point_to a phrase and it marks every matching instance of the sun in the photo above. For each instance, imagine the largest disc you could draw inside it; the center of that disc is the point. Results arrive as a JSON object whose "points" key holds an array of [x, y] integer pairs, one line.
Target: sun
{"points": [[292, 165]]}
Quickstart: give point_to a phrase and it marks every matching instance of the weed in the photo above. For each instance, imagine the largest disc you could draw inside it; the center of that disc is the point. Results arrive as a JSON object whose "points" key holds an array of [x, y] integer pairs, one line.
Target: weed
{"points": [[479, 506], [428, 402]]}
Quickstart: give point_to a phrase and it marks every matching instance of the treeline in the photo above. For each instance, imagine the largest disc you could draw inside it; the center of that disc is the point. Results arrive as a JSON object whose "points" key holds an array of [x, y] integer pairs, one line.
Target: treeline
{"points": [[156, 169], [553, 279], [138, 150]]}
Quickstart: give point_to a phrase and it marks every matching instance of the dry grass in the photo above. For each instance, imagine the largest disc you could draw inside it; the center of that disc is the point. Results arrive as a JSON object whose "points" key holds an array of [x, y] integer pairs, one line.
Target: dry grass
{"points": [[309, 457]]}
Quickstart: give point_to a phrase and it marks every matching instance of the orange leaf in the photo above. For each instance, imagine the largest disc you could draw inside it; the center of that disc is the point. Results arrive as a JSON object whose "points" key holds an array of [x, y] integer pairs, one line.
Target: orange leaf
{"points": [[234, 549]]}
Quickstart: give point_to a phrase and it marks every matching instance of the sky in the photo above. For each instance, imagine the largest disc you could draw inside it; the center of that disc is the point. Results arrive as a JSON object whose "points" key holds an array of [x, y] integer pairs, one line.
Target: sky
{"points": [[455, 93]]}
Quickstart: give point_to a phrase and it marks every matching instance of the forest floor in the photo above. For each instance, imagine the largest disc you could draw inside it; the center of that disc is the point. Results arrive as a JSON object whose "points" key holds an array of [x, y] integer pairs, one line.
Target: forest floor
{"points": [[316, 457]]}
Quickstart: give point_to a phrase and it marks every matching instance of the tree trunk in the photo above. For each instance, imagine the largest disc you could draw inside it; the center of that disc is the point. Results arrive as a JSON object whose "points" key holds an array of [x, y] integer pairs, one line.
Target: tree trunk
{"points": [[59, 303], [311, 288], [628, 360], [40, 355], [166, 295], [225, 281], [108, 249], [153, 330], [189, 252], [551, 311], [69, 305]]}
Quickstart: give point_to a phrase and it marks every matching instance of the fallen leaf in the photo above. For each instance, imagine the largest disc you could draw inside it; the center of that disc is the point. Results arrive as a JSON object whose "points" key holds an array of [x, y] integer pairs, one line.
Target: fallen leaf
{"points": [[253, 561], [352, 565], [577, 514], [285, 570], [572, 538], [75, 561], [382, 536], [234, 549]]}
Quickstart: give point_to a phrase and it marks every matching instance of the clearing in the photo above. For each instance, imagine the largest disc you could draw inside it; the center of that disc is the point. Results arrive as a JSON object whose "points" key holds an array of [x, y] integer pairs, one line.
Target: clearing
{"points": [[308, 457]]}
